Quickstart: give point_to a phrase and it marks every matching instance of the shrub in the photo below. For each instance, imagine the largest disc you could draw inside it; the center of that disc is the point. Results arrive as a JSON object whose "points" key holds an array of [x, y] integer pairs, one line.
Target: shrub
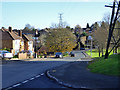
{"points": [[7, 49]]}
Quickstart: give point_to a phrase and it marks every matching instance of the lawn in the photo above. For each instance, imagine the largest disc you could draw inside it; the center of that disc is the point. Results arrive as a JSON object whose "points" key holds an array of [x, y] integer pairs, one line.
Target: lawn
{"points": [[108, 66], [95, 53]]}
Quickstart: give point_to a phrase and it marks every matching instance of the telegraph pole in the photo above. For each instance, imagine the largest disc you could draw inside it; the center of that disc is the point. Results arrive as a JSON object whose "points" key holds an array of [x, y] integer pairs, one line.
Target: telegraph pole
{"points": [[114, 18]]}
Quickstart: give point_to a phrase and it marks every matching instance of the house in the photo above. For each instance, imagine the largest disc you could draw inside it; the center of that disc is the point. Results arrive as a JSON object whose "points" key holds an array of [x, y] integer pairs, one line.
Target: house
{"points": [[27, 40], [15, 41], [28, 43]]}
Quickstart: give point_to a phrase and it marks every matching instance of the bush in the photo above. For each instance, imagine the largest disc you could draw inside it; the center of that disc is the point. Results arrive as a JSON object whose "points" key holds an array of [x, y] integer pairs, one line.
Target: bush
{"points": [[40, 56], [7, 49], [16, 56], [65, 54]]}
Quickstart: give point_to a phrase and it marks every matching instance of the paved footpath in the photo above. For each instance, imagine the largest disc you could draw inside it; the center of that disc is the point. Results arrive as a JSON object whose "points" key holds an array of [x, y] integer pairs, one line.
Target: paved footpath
{"points": [[76, 75]]}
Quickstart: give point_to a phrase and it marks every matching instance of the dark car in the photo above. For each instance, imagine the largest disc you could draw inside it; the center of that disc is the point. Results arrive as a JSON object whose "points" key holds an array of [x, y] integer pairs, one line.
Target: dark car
{"points": [[59, 55], [72, 54], [82, 48]]}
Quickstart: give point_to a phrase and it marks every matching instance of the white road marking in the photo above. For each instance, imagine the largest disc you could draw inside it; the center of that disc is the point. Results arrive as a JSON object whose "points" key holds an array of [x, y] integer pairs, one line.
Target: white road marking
{"points": [[25, 81], [16, 85], [42, 74], [9, 88], [31, 78], [37, 76]]}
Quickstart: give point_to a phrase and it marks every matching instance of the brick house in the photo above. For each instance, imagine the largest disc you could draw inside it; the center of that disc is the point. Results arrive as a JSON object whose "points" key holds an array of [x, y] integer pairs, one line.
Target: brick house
{"points": [[14, 41]]}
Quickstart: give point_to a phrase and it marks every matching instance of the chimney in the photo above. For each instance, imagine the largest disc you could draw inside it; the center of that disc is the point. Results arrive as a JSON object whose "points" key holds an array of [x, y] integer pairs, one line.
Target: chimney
{"points": [[20, 33], [10, 29]]}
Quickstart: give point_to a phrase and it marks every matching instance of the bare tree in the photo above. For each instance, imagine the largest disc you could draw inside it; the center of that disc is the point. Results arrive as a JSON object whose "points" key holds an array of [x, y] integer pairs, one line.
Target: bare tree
{"points": [[100, 36], [106, 17]]}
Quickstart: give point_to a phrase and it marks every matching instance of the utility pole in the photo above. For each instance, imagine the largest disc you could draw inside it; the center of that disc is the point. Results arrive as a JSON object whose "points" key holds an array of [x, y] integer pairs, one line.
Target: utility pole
{"points": [[114, 18], [60, 20]]}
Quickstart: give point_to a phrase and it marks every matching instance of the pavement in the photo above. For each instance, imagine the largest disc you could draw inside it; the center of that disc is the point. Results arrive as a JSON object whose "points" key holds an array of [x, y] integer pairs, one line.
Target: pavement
{"points": [[76, 75]]}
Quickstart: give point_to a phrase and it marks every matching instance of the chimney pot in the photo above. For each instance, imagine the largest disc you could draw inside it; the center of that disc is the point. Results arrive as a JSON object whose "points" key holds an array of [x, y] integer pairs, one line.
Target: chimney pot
{"points": [[20, 33]]}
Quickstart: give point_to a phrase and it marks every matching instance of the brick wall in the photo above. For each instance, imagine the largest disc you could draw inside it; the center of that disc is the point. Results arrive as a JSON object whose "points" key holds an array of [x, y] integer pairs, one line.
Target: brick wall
{"points": [[22, 55], [25, 45], [7, 44]]}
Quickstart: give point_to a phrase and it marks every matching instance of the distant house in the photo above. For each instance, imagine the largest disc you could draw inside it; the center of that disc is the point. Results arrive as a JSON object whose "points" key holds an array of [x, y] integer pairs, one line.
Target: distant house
{"points": [[15, 41], [28, 43]]}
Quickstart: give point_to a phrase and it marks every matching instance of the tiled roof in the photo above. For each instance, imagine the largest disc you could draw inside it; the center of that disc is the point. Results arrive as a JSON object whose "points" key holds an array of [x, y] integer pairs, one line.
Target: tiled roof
{"points": [[6, 35], [14, 36], [26, 38]]}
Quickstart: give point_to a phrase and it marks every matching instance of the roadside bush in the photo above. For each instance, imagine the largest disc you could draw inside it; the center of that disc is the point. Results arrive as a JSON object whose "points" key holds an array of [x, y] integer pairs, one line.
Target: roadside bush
{"points": [[16, 56], [40, 56], [65, 54], [7, 49]]}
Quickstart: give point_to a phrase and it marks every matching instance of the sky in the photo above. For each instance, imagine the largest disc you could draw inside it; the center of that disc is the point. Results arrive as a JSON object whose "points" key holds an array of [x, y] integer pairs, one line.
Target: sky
{"points": [[43, 14]]}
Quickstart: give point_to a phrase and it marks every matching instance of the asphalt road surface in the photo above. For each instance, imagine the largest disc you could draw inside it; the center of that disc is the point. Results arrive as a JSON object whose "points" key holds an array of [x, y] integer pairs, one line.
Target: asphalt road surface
{"points": [[21, 73], [41, 82]]}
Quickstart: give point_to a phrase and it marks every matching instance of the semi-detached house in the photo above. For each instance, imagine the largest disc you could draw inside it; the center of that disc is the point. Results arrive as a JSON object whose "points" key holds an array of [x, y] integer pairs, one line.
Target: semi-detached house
{"points": [[15, 41]]}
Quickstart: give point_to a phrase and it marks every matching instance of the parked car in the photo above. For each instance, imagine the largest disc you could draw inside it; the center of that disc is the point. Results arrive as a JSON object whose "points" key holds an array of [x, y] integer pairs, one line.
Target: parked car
{"points": [[5, 54], [59, 55], [82, 48], [29, 52], [72, 54]]}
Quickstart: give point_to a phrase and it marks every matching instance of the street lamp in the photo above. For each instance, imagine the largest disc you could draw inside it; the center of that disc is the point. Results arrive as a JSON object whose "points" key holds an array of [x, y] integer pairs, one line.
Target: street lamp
{"points": [[36, 37], [90, 38]]}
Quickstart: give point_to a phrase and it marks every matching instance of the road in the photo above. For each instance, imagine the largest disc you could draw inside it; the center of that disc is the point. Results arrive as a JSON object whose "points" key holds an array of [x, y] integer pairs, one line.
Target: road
{"points": [[16, 72]]}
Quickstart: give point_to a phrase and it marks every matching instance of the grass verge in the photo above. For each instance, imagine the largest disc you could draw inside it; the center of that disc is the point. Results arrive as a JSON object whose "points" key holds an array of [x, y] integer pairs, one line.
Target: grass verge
{"points": [[108, 66]]}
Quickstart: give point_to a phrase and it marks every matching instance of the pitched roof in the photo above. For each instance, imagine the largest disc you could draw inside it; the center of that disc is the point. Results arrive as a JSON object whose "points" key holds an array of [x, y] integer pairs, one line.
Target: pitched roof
{"points": [[6, 35], [14, 36], [26, 37]]}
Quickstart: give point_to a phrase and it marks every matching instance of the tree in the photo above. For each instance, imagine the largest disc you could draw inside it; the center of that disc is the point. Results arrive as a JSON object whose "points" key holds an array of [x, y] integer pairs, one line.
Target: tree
{"points": [[100, 36], [60, 40], [78, 33], [116, 34], [78, 30], [68, 27], [55, 25], [106, 17], [28, 27], [87, 26]]}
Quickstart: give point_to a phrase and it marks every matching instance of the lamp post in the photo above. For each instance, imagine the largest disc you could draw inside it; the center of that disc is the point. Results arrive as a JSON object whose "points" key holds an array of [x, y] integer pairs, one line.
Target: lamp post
{"points": [[36, 35], [90, 38]]}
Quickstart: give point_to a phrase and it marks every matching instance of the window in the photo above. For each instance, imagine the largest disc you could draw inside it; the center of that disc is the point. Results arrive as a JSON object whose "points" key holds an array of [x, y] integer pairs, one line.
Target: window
{"points": [[30, 42], [22, 43]]}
